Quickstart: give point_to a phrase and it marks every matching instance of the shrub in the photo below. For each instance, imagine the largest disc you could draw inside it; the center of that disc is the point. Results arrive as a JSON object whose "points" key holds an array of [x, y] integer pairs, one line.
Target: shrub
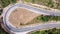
{"points": [[5, 3]]}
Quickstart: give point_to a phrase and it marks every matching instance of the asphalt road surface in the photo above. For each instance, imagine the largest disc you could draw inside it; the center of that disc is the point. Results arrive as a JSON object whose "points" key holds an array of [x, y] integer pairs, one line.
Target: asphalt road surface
{"points": [[34, 9]]}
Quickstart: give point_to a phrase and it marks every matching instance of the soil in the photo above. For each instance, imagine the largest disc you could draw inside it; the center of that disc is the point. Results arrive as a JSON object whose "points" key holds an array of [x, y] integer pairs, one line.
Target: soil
{"points": [[21, 16]]}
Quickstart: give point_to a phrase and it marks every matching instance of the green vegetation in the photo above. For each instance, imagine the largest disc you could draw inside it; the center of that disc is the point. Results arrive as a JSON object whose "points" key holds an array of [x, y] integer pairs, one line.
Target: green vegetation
{"points": [[28, 0], [5, 3], [43, 19], [50, 3], [48, 18], [2, 31], [1, 11], [50, 31]]}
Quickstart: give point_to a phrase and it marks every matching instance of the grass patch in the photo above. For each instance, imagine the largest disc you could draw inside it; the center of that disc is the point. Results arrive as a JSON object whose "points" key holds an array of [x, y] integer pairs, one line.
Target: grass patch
{"points": [[48, 18], [50, 31], [43, 19], [28, 0], [49, 3], [5, 3]]}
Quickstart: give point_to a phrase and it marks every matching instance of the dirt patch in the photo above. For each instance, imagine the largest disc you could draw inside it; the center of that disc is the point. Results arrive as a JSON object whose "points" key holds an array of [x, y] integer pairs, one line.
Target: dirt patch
{"points": [[21, 16]]}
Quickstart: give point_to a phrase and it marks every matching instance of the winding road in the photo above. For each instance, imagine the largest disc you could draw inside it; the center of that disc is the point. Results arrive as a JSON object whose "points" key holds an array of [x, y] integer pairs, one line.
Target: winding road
{"points": [[9, 27]]}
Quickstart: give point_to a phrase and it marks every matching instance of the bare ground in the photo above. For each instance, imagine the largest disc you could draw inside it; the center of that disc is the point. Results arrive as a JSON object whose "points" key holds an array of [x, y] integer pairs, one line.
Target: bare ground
{"points": [[21, 16]]}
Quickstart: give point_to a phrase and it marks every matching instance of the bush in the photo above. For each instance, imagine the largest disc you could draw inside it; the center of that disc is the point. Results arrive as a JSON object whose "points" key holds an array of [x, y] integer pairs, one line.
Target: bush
{"points": [[48, 18], [50, 31], [2, 30], [5, 3], [49, 3]]}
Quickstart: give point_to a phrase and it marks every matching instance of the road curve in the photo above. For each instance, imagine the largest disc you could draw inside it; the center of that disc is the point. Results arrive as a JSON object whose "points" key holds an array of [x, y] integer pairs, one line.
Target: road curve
{"points": [[31, 8]]}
